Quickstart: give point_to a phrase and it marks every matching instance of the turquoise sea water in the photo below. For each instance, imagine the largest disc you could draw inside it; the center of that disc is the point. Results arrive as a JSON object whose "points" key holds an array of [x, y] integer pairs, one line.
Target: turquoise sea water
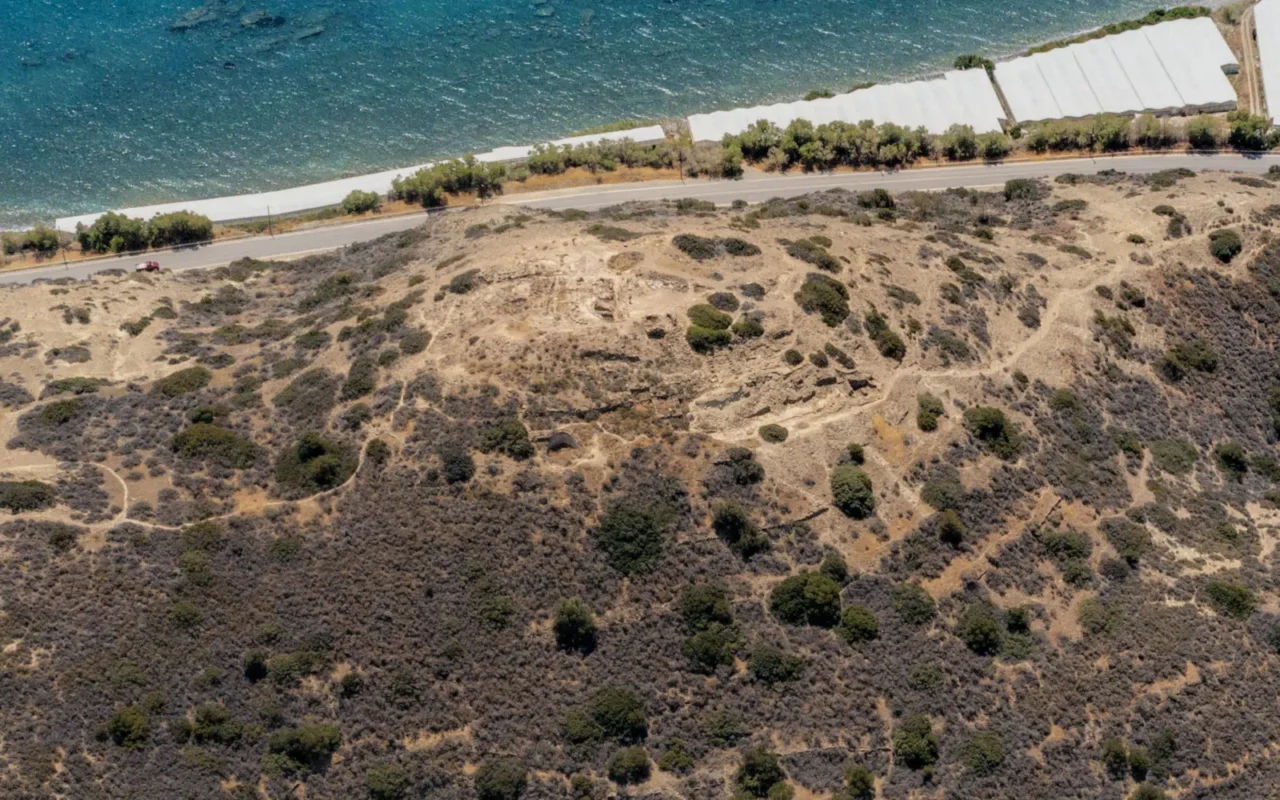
{"points": [[102, 104]]}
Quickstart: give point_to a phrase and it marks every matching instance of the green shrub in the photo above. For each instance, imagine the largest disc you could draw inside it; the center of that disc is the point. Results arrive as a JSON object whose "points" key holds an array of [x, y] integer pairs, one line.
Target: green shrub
{"points": [[675, 757], [358, 202], [951, 528], [508, 436], [74, 386], [811, 252], [707, 340], [835, 568], [914, 743], [361, 380], [206, 442], [858, 624], [761, 770], [457, 463], [306, 745], [135, 327], [1225, 245], [430, 185], [629, 765], [414, 342], [128, 727], [851, 491], [184, 381], [213, 724], [984, 753], [979, 629], [928, 409], [859, 784], [1175, 456], [773, 434], [740, 248], [1231, 459], [501, 779], [315, 463], [708, 316], [178, 228], [913, 603], [386, 782], [698, 248], [29, 495], [943, 490], [631, 534], [1232, 599], [611, 233], [619, 714], [825, 296], [748, 327], [793, 358], [991, 427], [1186, 356], [809, 598], [1022, 189], [1148, 792], [771, 666], [711, 647], [736, 529], [575, 625], [888, 342], [113, 233]]}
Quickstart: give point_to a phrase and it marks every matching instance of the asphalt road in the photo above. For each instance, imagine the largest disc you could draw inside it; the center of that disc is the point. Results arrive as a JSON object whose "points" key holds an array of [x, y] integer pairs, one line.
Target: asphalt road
{"points": [[756, 187]]}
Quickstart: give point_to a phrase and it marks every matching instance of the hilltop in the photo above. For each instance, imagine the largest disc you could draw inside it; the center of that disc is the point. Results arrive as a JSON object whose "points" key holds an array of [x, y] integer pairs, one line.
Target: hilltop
{"points": [[964, 494]]}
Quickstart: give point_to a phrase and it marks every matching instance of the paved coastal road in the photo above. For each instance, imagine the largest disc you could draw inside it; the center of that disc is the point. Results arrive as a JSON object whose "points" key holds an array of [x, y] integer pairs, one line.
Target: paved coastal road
{"points": [[754, 188]]}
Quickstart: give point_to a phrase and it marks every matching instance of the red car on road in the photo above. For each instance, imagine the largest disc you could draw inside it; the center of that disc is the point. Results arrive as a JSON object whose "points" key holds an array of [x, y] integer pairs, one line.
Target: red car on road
{"points": [[148, 266]]}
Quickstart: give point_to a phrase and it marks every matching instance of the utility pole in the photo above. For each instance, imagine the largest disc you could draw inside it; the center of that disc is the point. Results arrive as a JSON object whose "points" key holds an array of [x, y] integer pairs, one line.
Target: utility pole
{"points": [[270, 230]]}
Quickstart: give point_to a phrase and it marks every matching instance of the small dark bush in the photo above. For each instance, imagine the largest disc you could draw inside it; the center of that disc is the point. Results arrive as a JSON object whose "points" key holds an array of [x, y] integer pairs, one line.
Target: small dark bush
{"points": [[698, 248], [825, 296], [629, 765], [1225, 245], [773, 434], [315, 464], [508, 436], [984, 754], [914, 743], [736, 529], [851, 491], [574, 626], [1232, 599], [184, 381], [771, 666], [809, 598], [22, 496], [913, 603], [501, 779], [761, 770], [206, 442], [928, 409], [858, 624], [707, 316], [991, 427]]}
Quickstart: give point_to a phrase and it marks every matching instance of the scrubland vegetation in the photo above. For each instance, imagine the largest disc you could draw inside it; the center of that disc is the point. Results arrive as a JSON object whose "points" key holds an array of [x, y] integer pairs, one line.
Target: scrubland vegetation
{"points": [[778, 500]]}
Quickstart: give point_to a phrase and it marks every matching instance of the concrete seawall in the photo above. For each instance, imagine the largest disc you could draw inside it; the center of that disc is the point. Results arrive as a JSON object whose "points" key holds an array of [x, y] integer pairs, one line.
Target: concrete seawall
{"points": [[331, 193]]}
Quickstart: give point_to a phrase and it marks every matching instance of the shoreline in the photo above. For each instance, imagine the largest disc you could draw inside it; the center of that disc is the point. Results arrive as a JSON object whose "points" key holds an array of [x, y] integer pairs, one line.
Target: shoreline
{"points": [[377, 176]]}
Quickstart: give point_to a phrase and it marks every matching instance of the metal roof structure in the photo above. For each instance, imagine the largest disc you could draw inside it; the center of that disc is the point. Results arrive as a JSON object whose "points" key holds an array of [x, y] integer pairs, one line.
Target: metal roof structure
{"points": [[1266, 25], [1172, 67], [959, 97]]}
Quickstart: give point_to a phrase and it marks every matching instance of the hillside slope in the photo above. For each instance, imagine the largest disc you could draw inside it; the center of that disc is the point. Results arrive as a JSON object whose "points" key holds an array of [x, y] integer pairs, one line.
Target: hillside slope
{"points": [[964, 495]]}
